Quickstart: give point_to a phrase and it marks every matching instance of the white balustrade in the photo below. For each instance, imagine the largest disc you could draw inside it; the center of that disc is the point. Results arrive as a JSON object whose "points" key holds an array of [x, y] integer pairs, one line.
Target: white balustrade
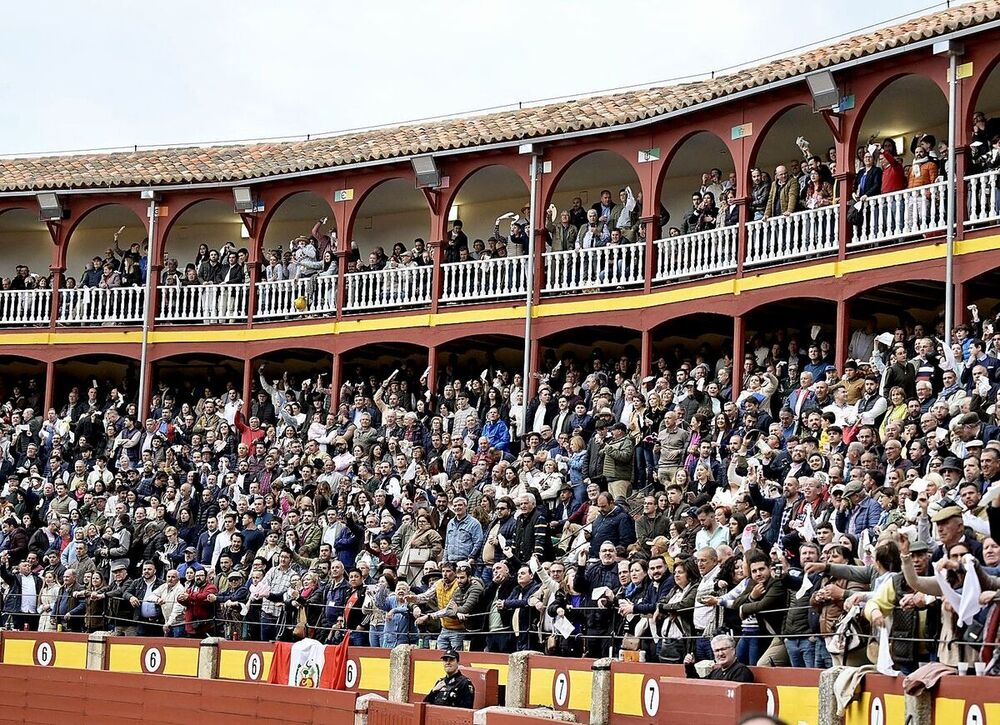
{"points": [[296, 298], [209, 303], [485, 279], [982, 198], [696, 255], [612, 265], [399, 287], [901, 214], [25, 307], [784, 238], [93, 305]]}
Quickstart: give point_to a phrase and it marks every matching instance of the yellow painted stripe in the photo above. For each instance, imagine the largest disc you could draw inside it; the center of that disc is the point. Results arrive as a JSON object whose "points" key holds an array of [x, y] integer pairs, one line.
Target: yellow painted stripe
{"points": [[581, 685], [232, 664], [540, 680], [425, 674], [895, 709], [124, 657], [627, 687], [19, 652], [991, 711], [828, 269], [180, 661], [374, 673], [857, 711], [71, 655], [949, 710], [799, 705]]}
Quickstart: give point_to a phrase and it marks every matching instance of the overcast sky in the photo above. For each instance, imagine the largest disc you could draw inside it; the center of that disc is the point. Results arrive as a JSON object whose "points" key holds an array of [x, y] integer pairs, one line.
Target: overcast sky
{"points": [[103, 73]]}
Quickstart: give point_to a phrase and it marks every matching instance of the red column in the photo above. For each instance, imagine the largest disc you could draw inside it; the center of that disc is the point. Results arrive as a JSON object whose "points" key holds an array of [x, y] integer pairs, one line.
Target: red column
{"points": [[147, 390], [432, 367], [56, 273], [739, 348], [961, 189], [961, 296], [649, 222], [336, 380], [50, 386], [646, 361], [437, 277], [247, 386], [845, 183], [843, 331]]}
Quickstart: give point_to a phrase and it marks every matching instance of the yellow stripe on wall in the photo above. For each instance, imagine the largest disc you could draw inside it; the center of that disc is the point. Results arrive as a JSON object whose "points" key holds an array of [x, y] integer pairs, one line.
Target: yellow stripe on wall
{"points": [[19, 652], [581, 685], [374, 673], [949, 710], [425, 674], [540, 681], [232, 664], [501, 670], [180, 661], [798, 704], [124, 657], [627, 687]]}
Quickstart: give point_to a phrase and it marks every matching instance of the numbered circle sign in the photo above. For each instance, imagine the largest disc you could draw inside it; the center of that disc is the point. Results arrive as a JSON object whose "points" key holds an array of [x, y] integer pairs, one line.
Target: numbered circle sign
{"points": [[974, 716], [254, 666], [560, 690], [45, 654], [651, 697], [877, 716], [153, 660], [351, 674], [772, 705]]}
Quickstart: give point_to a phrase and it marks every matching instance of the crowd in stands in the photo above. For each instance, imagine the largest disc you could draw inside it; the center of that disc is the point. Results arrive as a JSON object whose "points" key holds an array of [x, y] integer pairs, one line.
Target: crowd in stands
{"points": [[804, 514]]}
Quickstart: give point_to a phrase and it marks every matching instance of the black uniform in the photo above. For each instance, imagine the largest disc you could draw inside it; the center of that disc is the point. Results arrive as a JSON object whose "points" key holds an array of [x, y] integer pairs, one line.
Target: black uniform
{"points": [[456, 691]]}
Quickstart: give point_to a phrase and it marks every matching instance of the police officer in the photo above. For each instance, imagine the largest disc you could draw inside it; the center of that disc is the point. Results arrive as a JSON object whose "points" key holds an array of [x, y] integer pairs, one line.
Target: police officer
{"points": [[454, 689]]}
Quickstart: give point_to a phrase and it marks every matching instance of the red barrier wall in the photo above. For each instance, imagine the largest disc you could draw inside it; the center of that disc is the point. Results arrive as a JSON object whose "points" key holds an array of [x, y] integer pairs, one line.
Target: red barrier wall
{"points": [[45, 695]]}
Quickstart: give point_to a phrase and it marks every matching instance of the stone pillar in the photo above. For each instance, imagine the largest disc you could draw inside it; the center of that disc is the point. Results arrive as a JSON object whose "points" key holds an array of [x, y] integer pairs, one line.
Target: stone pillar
{"points": [[918, 709], [96, 645], [600, 698], [208, 659], [399, 673], [517, 680], [827, 701]]}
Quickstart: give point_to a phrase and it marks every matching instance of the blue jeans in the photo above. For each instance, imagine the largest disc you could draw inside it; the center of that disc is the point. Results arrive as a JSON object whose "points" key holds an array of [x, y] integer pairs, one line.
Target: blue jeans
{"points": [[801, 651], [268, 627], [579, 493], [449, 639], [748, 649], [822, 658], [375, 635], [176, 631], [358, 639], [703, 649]]}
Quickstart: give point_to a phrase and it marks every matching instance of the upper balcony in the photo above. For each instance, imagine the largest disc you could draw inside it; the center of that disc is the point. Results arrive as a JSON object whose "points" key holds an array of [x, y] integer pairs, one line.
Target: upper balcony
{"points": [[384, 247]]}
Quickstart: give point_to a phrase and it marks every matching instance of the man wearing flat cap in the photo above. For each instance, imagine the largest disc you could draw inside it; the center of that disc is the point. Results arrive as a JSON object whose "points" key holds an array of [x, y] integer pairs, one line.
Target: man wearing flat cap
{"points": [[454, 689], [951, 531]]}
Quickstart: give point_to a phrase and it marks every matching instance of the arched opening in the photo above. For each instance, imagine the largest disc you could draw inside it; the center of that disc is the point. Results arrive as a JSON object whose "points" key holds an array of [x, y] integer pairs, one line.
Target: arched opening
{"points": [[608, 253], [110, 372], [703, 339], [193, 377], [22, 382], [608, 351], [698, 189], [983, 203], [389, 249], [301, 375], [915, 306], [795, 210], [476, 267], [482, 358], [401, 364], [786, 336], [106, 256], [284, 290], [701, 163], [25, 289], [205, 273], [909, 117], [984, 292]]}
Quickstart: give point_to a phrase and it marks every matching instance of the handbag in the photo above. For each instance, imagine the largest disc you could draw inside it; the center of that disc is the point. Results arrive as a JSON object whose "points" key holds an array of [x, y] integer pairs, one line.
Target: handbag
{"points": [[672, 650], [630, 643]]}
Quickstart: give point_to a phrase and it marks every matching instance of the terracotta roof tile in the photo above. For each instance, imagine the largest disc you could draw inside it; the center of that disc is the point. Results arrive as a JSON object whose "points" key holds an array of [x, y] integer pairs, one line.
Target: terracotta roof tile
{"points": [[261, 160]]}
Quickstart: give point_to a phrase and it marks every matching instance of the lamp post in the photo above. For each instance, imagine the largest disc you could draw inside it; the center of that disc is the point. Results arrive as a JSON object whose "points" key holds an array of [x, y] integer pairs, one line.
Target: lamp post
{"points": [[149, 195], [953, 50]]}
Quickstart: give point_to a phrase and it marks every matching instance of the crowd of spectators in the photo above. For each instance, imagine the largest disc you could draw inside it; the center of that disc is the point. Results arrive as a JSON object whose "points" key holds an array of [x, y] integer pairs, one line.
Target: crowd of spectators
{"points": [[804, 514]]}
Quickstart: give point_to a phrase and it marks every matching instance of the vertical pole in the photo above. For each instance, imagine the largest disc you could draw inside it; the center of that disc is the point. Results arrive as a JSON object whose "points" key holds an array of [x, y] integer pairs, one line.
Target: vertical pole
{"points": [[529, 297], [144, 382], [949, 268]]}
